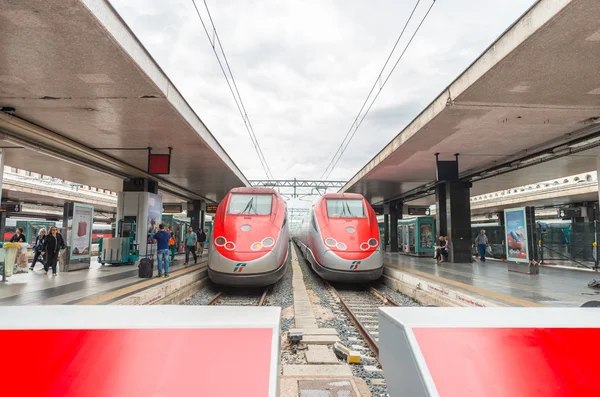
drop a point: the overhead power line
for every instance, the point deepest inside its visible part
(350, 134)
(238, 99)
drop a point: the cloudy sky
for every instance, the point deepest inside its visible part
(304, 68)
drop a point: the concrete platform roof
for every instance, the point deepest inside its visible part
(537, 85)
(80, 80)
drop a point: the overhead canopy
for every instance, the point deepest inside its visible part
(80, 80)
(538, 85)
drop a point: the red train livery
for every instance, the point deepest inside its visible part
(250, 241)
(340, 238)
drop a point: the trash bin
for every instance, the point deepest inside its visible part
(10, 256)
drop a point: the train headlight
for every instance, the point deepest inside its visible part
(331, 242)
(371, 243)
(341, 246)
(256, 246)
(220, 241)
(268, 242)
(229, 246)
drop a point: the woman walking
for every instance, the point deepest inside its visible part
(37, 248)
(52, 246)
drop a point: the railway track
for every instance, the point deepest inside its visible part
(361, 307)
(253, 298)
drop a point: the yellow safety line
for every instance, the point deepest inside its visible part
(132, 288)
(488, 293)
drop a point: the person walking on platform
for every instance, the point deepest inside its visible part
(37, 248)
(172, 244)
(201, 240)
(53, 243)
(18, 237)
(482, 243)
(162, 249)
(191, 239)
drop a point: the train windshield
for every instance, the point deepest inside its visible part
(250, 204)
(345, 209)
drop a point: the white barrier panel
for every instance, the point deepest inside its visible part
(135, 351)
(493, 352)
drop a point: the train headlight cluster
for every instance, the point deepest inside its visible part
(371, 243)
(222, 242)
(267, 242)
(333, 243)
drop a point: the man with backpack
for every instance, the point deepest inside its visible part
(162, 249)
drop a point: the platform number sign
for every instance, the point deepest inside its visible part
(239, 267)
(354, 265)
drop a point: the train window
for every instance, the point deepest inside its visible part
(345, 209)
(250, 204)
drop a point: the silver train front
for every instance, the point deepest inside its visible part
(260, 272)
(326, 263)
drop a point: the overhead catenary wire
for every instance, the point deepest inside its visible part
(345, 142)
(233, 89)
(377, 80)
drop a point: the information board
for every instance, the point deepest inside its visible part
(516, 235)
(80, 239)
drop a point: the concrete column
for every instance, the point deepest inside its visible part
(140, 185)
(395, 214)
(440, 203)
(386, 231)
(2, 214)
(196, 214)
(458, 220)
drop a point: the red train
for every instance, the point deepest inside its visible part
(250, 241)
(340, 238)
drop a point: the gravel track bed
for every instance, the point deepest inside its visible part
(333, 316)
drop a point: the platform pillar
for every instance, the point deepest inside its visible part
(440, 206)
(453, 201)
(140, 185)
(196, 212)
(458, 221)
(395, 214)
(140, 202)
(386, 231)
(2, 214)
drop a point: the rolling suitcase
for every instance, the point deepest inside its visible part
(146, 267)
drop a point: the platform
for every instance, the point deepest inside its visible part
(96, 285)
(140, 351)
(498, 352)
(490, 283)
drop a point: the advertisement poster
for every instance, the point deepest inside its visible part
(154, 213)
(81, 231)
(516, 235)
(426, 235)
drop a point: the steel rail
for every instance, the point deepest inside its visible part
(373, 345)
(215, 298)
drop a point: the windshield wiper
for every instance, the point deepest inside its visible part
(249, 206)
(349, 210)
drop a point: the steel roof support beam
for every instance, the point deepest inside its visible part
(24, 133)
